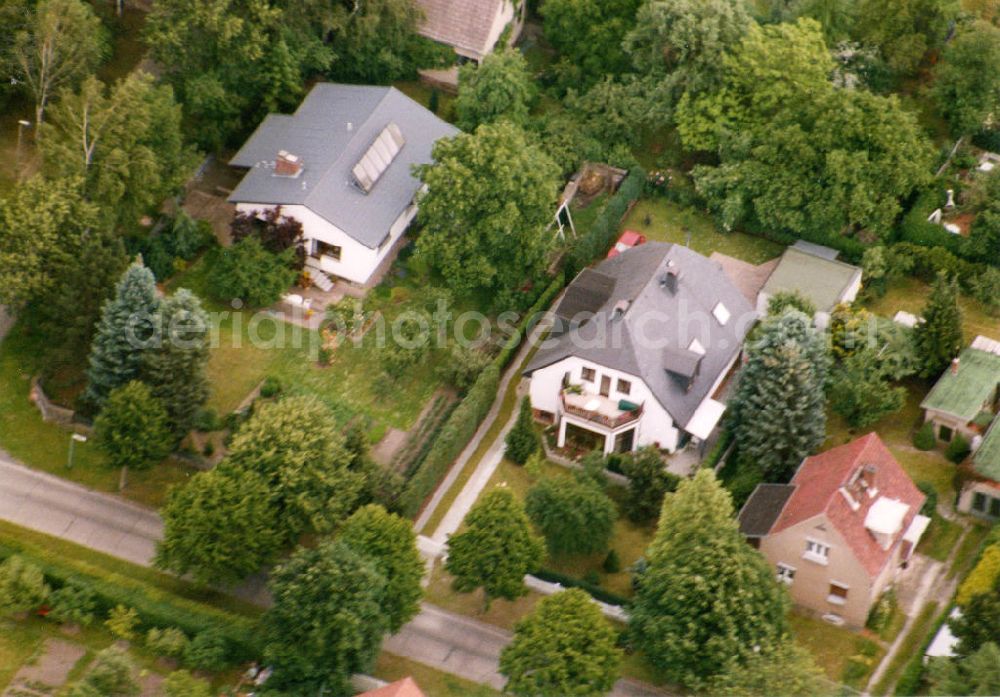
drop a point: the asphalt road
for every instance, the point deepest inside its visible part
(442, 640)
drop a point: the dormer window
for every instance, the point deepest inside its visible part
(696, 347)
(721, 314)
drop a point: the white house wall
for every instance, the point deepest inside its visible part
(357, 262)
(655, 426)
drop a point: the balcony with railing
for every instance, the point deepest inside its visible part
(607, 412)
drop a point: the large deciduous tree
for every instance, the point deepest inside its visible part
(490, 196)
(232, 60)
(175, 368)
(781, 669)
(588, 35)
(967, 80)
(61, 43)
(904, 30)
(126, 144)
(706, 598)
(498, 88)
(939, 337)
(327, 621)
(573, 513)
(127, 326)
(564, 647)
(297, 446)
(860, 390)
(778, 410)
(219, 527)
(496, 549)
(797, 153)
(388, 541)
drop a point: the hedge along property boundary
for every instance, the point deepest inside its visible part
(156, 607)
(461, 426)
(596, 241)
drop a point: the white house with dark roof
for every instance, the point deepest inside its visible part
(471, 27)
(342, 165)
(644, 341)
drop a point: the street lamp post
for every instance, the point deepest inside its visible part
(21, 125)
(75, 438)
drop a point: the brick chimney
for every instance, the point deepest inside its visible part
(287, 164)
(954, 366)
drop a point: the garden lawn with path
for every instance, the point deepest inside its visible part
(845, 656)
(669, 222)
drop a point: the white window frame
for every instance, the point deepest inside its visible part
(836, 599)
(785, 573)
(816, 551)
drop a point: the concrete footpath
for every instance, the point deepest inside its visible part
(437, 638)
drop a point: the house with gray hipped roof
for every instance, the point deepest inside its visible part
(643, 343)
(342, 165)
(471, 27)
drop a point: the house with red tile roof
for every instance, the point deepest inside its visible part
(841, 531)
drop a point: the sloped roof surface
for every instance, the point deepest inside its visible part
(821, 280)
(331, 131)
(587, 294)
(763, 508)
(749, 278)
(962, 394)
(986, 460)
(406, 687)
(819, 479)
(464, 24)
(657, 319)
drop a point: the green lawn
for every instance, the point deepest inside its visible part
(45, 446)
(910, 295)
(940, 538)
(969, 550)
(252, 346)
(433, 683)
(845, 656)
(668, 222)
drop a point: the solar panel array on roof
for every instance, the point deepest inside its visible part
(379, 156)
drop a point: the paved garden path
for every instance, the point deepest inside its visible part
(442, 640)
(49, 672)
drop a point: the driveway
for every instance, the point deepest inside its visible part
(440, 639)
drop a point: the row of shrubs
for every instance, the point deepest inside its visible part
(596, 241)
(212, 636)
(465, 419)
(596, 591)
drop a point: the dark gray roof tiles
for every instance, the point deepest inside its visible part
(658, 320)
(763, 508)
(331, 131)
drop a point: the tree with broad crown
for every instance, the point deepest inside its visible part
(297, 446)
(490, 196)
(779, 411)
(248, 271)
(779, 669)
(62, 42)
(498, 88)
(127, 326)
(861, 393)
(111, 675)
(977, 674)
(564, 647)
(496, 549)
(522, 439)
(327, 621)
(648, 482)
(22, 585)
(133, 428)
(967, 80)
(706, 598)
(573, 513)
(388, 541)
(219, 527)
(904, 30)
(125, 143)
(939, 337)
(175, 369)
(588, 35)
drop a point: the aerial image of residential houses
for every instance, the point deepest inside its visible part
(448, 348)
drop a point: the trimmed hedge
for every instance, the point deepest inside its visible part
(595, 591)
(465, 419)
(156, 607)
(595, 243)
